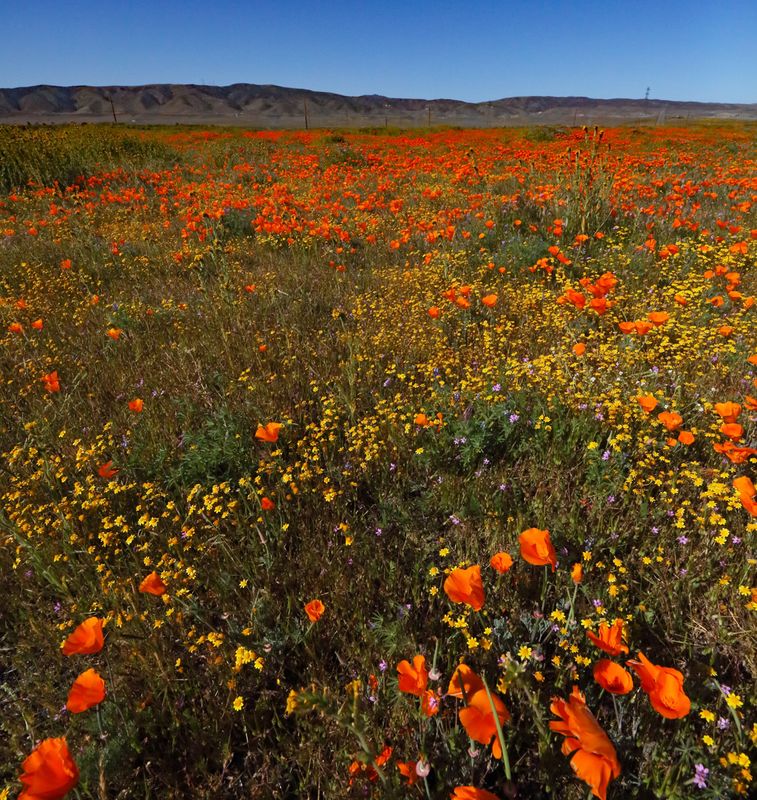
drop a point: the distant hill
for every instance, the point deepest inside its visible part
(259, 106)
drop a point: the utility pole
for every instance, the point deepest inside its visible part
(307, 121)
(646, 96)
(428, 108)
(113, 109)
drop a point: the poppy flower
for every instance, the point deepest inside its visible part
(107, 470)
(642, 327)
(52, 384)
(49, 772)
(670, 419)
(594, 758)
(664, 686)
(86, 638)
(464, 683)
(734, 453)
(413, 678)
(747, 494)
(610, 638)
(489, 300)
(267, 504)
(314, 609)
(732, 430)
(612, 677)
(433, 312)
(658, 318)
(464, 586)
(15, 327)
(88, 691)
(38, 324)
(577, 572)
(136, 405)
(430, 703)
(114, 333)
(579, 349)
(152, 584)
(686, 437)
(268, 432)
(471, 793)
(478, 719)
(407, 770)
(728, 412)
(648, 402)
(501, 562)
(422, 420)
(536, 548)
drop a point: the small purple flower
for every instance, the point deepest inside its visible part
(454, 520)
(606, 455)
(725, 689)
(514, 418)
(496, 388)
(502, 487)
(700, 776)
(682, 539)
(596, 603)
(655, 530)
(378, 531)
(723, 724)
(382, 665)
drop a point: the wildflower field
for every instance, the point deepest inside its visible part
(378, 464)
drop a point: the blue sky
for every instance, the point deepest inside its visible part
(468, 51)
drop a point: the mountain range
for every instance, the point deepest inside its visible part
(267, 106)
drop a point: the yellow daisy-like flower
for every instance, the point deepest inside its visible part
(238, 704)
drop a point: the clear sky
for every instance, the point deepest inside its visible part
(682, 50)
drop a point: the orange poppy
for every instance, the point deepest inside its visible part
(664, 686)
(686, 437)
(52, 384)
(594, 758)
(750, 402)
(501, 562)
(612, 677)
(732, 430)
(478, 719)
(643, 327)
(577, 573)
(15, 327)
(648, 402)
(489, 300)
(464, 586)
(658, 318)
(413, 678)
(609, 638)
(579, 349)
(267, 504)
(747, 494)
(137, 404)
(735, 454)
(464, 683)
(314, 609)
(725, 330)
(107, 470)
(536, 548)
(434, 312)
(38, 324)
(49, 772)
(670, 419)
(430, 703)
(86, 638)
(728, 412)
(422, 420)
(114, 333)
(407, 770)
(152, 584)
(88, 691)
(268, 432)
(472, 793)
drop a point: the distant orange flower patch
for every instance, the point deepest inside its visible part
(51, 382)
